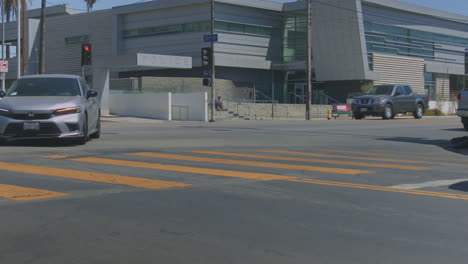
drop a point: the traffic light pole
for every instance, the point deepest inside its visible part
(3, 43)
(309, 60)
(213, 76)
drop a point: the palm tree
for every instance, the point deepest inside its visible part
(90, 4)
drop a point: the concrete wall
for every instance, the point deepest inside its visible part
(196, 105)
(157, 106)
(264, 111)
(188, 106)
(447, 107)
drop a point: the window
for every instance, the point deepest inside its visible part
(408, 90)
(201, 26)
(400, 91)
(407, 42)
(45, 87)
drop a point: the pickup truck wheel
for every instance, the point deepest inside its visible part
(418, 113)
(358, 117)
(388, 112)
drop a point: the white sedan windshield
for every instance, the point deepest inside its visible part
(45, 87)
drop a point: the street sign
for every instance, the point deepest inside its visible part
(3, 66)
(210, 38)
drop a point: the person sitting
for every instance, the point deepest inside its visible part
(219, 104)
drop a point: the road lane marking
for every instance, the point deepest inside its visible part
(360, 158)
(389, 155)
(19, 193)
(262, 177)
(413, 186)
(384, 189)
(92, 176)
(186, 169)
(362, 164)
(251, 163)
(56, 157)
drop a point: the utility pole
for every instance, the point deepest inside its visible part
(42, 39)
(3, 43)
(309, 59)
(18, 36)
(213, 76)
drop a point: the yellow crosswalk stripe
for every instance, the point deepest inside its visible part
(92, 176)
(251, 163)
(186, 169)
(338, 162)
(359, 158)
(262, 177)
(19, 193)
(56, 157)
(391, 155)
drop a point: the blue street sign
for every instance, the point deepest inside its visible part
(210, 37)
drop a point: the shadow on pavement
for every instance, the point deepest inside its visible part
(456, 145)
(454, 129)
(41, 143)
(460, 186)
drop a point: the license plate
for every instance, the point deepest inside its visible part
(31, 126)
(363, 109)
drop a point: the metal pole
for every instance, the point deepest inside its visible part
(18, 41)
(213, 76)
(309, 59)
(272, 94)
(3, 42)
(42, 39)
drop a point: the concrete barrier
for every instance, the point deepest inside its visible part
(188, 106)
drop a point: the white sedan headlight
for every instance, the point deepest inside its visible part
(67, 111)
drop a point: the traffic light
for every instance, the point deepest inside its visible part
(206, 56)
(206, 82)
(86, 54)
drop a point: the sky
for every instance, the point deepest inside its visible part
(454, 6)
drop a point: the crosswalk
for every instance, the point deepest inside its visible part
(186, 169)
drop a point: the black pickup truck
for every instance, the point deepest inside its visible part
(387, 100)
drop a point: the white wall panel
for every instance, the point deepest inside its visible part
(400, 70)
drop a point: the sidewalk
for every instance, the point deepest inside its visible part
(124, 119)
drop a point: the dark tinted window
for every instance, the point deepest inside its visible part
(45, 87)
(407, 90)
(400, 91)
(381, 89)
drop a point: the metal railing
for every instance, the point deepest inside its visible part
(329, 97)
(296, 96)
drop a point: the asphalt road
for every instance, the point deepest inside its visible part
(339, 191)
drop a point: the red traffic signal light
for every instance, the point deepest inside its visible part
(86, 54)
